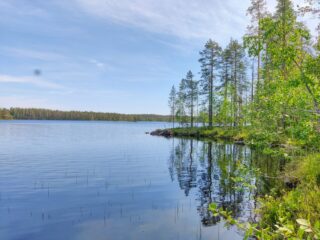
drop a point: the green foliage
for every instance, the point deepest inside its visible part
(284, 102)
(293, 215)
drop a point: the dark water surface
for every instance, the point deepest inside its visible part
(109, 180)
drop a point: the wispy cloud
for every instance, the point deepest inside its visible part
(37, 81)
(34, 54)
(22, 8)
(186, 19)
(103, 65)
(97, 63)
(182, 18)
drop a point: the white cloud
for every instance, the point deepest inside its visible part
(99, 64)
(34, 54)
(37, 81)
(183, 18)
(187, 19)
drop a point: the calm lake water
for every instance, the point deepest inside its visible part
(110, 180)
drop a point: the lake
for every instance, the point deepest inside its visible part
(110, 180)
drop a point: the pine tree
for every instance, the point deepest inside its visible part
(286, 19)
(257, 10)
(191, 94)
(181, 103)
(209, 60)
(172, 103)
(237, 61)
(284, 10)
(225, 80)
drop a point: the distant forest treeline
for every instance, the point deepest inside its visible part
(46, 114)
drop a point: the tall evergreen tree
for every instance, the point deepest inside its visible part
(257, 10)
(237, 60)
(172, 103)
(225, 80)
(209, 60)
(285, 19)
(181, 103)
(191, 95)
(284, 10)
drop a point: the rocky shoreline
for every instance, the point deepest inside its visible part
(168, 133)
(163, 133)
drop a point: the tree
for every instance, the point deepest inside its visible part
(225, 86)
(238, 80)
(209, 59)
(181, 103)
(290, 90)
(172, 103)
(191, 94)
(257, 10)
(187, 98)
(285, 21)
(284, 10)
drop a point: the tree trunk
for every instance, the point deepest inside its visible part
(210, 102)
(211, 91)
(173, 116)
(235, 91)
(252, 80)
(192, 114)
(258, 72)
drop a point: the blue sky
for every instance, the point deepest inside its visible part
(107, 55)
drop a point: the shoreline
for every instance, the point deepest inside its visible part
(239, 136)
(301, 175)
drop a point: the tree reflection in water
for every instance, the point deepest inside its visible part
(213, 170)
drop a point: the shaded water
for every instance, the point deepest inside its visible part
(109, 180)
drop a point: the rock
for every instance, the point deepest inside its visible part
(163, 133)
(291, 183)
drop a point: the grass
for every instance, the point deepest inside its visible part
(296, 213)
(226, 133)
(243, 135)
(289, 214)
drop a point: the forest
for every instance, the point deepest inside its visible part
(46, 114)
(265, 92)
